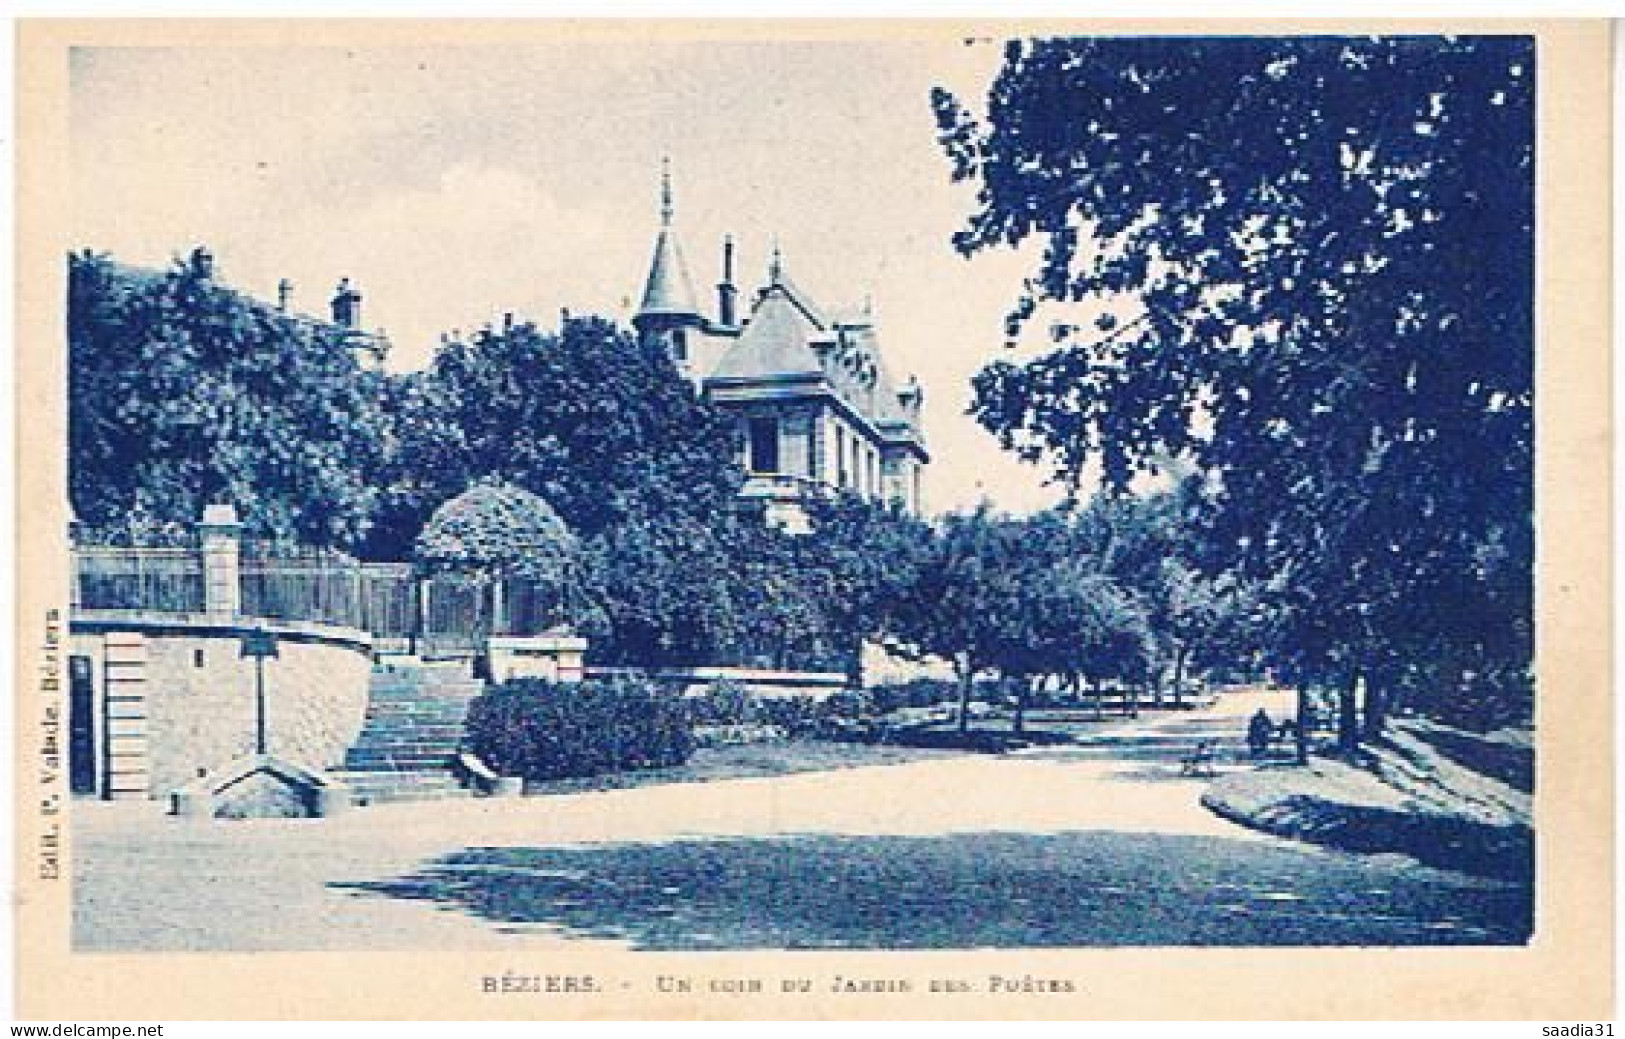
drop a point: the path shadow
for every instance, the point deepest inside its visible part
(972, 890)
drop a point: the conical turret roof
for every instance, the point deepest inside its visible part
(669, 290)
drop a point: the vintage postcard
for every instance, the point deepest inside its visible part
(813, 519)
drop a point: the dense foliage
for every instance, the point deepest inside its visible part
(498, 528)
(183, 392)
(584, 462)
(542, 730)
(595, 422)
(1305, 267)
(1072, 598)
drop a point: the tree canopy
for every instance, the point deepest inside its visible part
(1304, 265)
(183, 392)
(496, 528)
(596, 422)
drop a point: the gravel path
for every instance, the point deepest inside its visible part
(1086, 846)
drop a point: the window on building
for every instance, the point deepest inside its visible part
(764, 445)
(679, 345)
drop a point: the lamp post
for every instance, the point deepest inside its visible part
(259, 644)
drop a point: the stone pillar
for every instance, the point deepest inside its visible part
(557, 657)
(222, 583)
(420, 634)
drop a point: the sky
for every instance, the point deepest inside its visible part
(454, 184)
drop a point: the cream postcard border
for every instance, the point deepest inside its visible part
(1565, 973)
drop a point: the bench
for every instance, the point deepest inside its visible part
(1199, 761)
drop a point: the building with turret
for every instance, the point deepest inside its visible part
(816, 410)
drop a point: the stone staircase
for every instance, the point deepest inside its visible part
(414, 726)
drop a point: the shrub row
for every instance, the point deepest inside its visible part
(545, 730)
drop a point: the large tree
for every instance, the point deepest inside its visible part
(1071, 621)
(869, 557)
(666, 588)
(1308, 264)
(605, 429)
(966, 605)
(182, 392)
(596, 422)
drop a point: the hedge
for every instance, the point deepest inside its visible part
(546, 730)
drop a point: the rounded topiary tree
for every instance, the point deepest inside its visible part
(495, 532)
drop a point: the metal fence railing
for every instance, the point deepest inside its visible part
(388, 600)
(439, 614)
(159, 580)
(455, 614)
(301, 590)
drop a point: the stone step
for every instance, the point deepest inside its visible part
(414, 726)
(397, 749)
(448, 729)
(395, 760)
(416, 696)
(448, 676)
(413, 722)
(376, 734)
(417, 691)
(427, 678)
(421, 730)
(420, 703)
(384, 787)
(428, 711)
(415, 779)
(405, 779)
(364, 761)
(376, 749)
(406, 716)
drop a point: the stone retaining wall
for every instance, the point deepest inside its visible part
(175, 695)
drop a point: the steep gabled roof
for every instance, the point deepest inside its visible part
(857, 370)
(814, 312)
(775, 342)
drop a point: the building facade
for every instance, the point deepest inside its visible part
(816, 410)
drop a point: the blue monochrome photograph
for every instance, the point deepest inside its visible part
(930, 492)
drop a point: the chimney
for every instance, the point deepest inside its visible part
(727, 294)
(346, 305)
(284, 294)
(203, 263)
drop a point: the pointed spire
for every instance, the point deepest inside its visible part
(665, 191)
(669, 290)
(775, 263)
